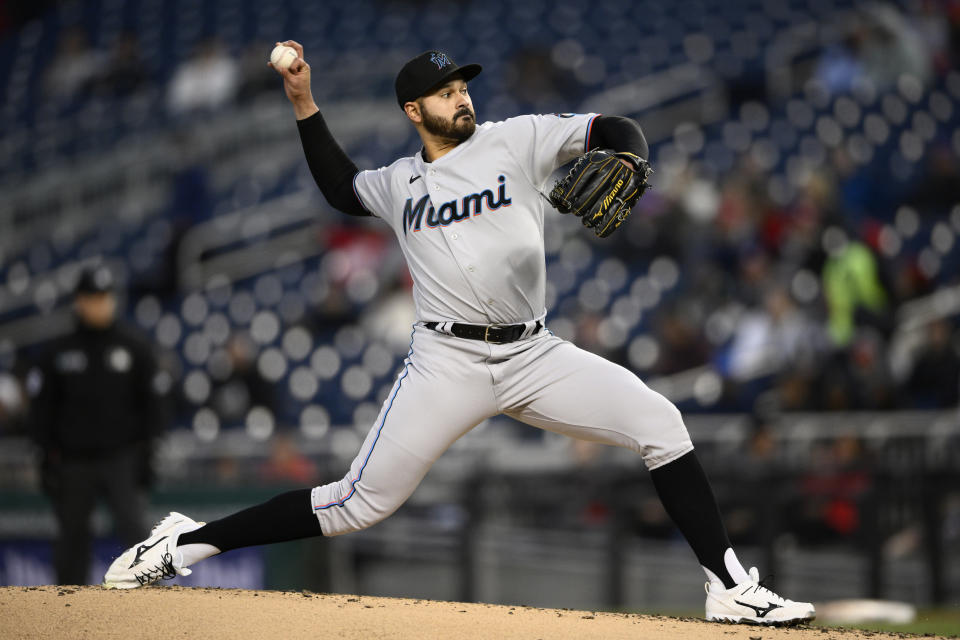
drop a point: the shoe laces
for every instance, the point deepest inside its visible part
(163, 570)
(763, 587)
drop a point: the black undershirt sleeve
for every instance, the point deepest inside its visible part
(618, 133)
(332, 169)
(288, 516)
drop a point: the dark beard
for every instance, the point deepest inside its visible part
(458, 129)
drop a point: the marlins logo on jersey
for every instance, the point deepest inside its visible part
(454, 210)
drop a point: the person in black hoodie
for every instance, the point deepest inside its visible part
(97, 406)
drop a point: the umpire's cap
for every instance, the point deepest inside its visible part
(95, 279)
(427, 70)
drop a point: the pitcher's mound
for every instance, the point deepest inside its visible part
(178, 612)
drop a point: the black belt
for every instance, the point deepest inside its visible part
(495, 333)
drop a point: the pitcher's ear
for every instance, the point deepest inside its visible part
(413, 111)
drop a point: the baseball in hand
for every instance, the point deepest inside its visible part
(283, 56)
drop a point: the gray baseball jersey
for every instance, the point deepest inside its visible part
(470, 225)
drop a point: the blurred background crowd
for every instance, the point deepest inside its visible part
(788, 230)
(797, 253)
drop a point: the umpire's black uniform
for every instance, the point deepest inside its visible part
(96, 408)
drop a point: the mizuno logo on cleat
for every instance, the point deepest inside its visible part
(761, 611)
(142, 549)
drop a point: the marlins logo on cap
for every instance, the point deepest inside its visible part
(428, 70)
(439, 59)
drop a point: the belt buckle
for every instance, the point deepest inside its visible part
(486, 333)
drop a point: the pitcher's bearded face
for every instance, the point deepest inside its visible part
(448, 112)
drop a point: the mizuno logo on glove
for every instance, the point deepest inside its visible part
(608, 200)
(602, 188)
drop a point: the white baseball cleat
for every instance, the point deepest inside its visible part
(753, 603)
(154, 559)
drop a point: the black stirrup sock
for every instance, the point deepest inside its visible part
(686, 495)
(288, 516)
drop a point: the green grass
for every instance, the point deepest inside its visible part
(941, 622)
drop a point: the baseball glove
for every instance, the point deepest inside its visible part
(601, 189)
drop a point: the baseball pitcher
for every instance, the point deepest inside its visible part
(468, 212)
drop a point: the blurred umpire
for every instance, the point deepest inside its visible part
(97, 407)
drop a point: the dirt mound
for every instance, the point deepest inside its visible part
(178, 612)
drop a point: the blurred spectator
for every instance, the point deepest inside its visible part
(15, 14)
(682, 345)
(287, 465)
(795, 389)
(256, 76)
(839, 66)
(97, 407)
(934, 381)
(74, 67)
(355, 255)
(872, 385)
(939, 188)
(801, 245)
(772, 338)
(762, 445)
(932, 24)
(13, 404)
(745, 512)
(830, 498)
(852, 287)
(894, 48)
(207, 81)
(536, 82)
(242, 387)
(125, 71)
(880, 47)
(191, 203)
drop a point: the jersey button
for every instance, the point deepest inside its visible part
(471, 268)
(436, 187)
(454, 236)
(491, 302)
